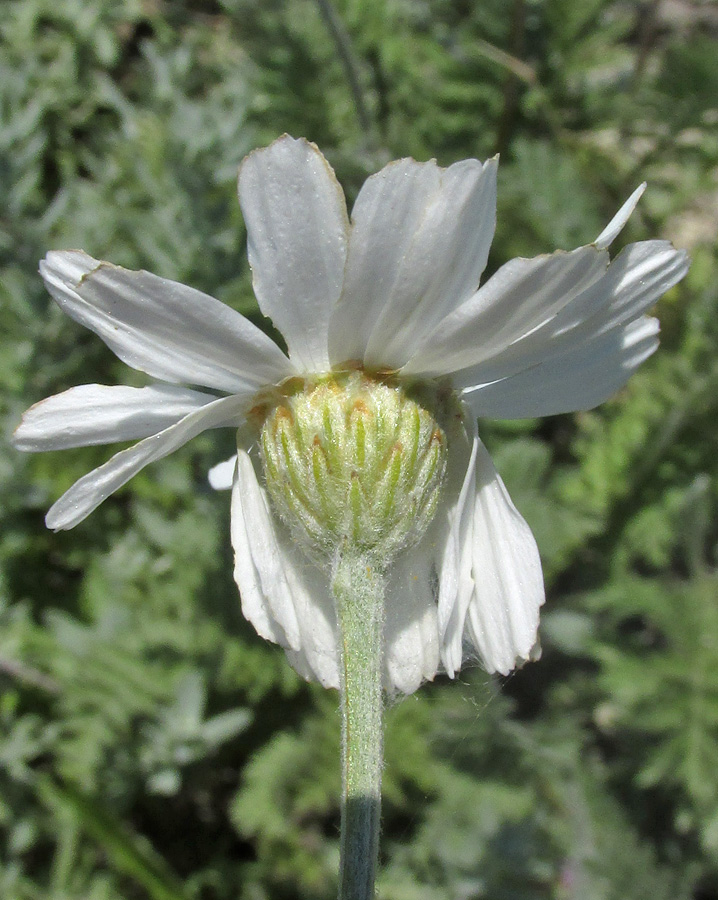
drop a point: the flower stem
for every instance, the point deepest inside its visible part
(358, 587)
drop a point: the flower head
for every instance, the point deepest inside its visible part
(355, 460)
(370, 307)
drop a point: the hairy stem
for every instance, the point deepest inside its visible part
(358, 587)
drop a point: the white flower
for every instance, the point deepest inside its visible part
(395, 288)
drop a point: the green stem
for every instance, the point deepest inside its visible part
(358, 587)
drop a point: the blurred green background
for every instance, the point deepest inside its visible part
(152, 747)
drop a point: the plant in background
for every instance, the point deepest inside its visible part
(373, 538)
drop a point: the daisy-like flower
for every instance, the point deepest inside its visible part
(374, 309)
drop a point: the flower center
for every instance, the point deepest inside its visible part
(355, 461)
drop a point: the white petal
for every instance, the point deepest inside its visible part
(250, 560)
(456, 583)
(273, 575)
(520, 297)
(254, 605)
(102, 414)
(297, 228)
(163, 328)
(284, 595)
(386, 215)
(440, 254)
(86, 494)
(278, 574)
(638, 276)
(503, 614)
(615, 226)
(411, 652)
(318, 655)
(221, 476)
(580, 378)
(635, 280)
(251, 505)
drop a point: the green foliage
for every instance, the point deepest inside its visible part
(151, 745)
(288, 807)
